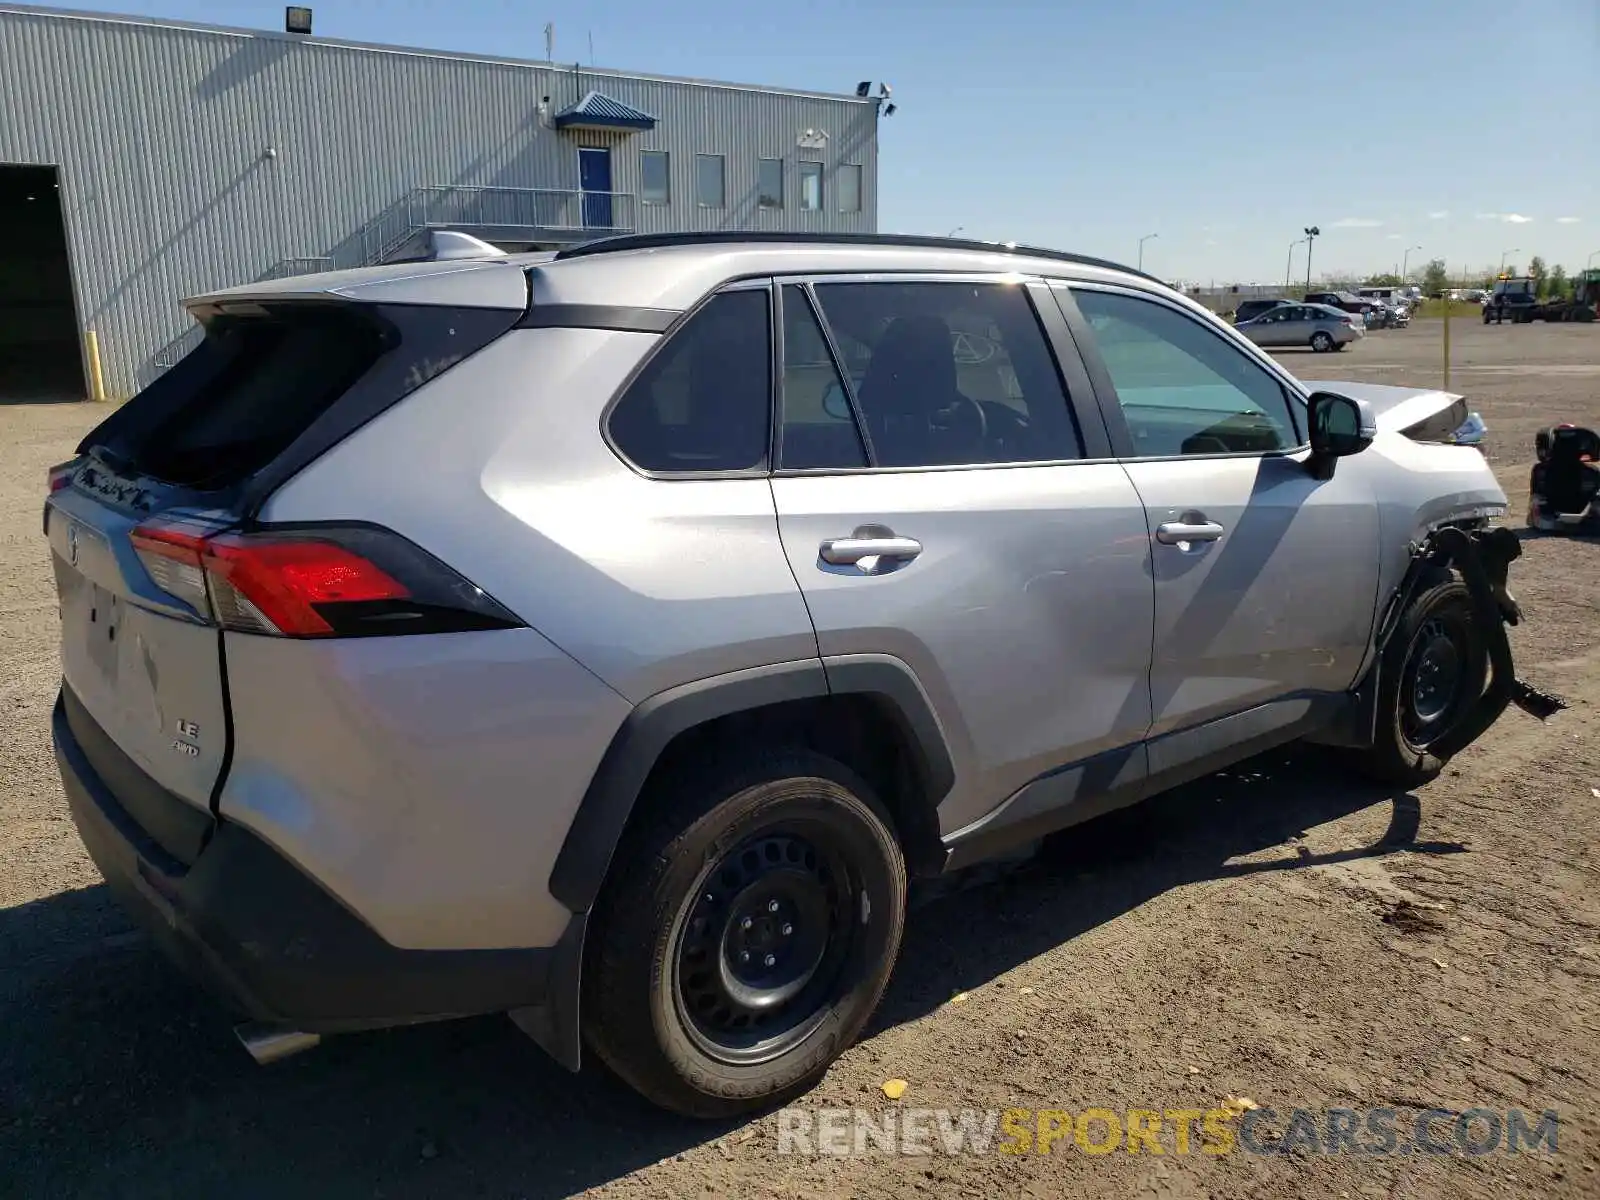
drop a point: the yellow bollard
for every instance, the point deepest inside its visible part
(1447, 303)
(97, 385)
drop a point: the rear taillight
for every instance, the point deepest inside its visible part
(314, 581)
(60, 475)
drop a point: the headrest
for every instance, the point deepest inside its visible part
(913, 368)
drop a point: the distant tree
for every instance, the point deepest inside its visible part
(1434, 279)
(1511, 270)
(1559, 284)
(1540, 273)
(1384, 280)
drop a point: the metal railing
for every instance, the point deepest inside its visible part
(505, 210)
(522, 208)
(286, 267)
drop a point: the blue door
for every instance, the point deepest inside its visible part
(594, 181)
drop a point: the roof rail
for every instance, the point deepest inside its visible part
(723, 237)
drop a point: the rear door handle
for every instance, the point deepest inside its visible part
(1175, 533)
(865, 552)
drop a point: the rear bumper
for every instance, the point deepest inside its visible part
(253, 928)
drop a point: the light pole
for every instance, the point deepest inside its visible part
(1503, 253)
(1590, 259)
(1405, 261)
(1288, 267)
(1312, 233)
(1142, 241)
(955, 231)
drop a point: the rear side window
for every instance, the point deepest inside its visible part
(949, 374)
(260, 382)
(704, 401)
(819, 429)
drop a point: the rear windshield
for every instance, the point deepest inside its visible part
(261, 379)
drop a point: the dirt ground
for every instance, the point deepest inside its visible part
(1277, 933)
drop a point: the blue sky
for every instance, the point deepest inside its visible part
(1466, 127)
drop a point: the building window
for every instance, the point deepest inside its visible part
(655, 182)
(769, 183)
(848, 181)
(709, 191)
(811, 186)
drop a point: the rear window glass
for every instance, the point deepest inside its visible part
(256, 383)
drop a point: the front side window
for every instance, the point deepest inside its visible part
(655, 177)
(1182, 389)
(948, 374)
(703, 403)
(709, 188)
(811, 186)
(849, 185)
(769, 183)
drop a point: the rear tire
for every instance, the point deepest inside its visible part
(1321, 342)
(1432, 672)
(747, 934)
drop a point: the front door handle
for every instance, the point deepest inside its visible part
(1176, 533)
(867, 552)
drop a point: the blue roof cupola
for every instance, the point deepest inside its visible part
(598, 111)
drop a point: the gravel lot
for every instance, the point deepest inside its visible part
(1277, 933)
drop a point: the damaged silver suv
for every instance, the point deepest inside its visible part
(605, 638)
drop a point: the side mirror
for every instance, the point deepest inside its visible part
(1340, 426)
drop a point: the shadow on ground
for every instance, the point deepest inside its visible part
(118, 1078)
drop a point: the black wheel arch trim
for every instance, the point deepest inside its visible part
(585, 856)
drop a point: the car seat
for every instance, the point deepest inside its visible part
(1566, 480)
(917, 414)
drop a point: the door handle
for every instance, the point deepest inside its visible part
(858, 550)
(1175, 533)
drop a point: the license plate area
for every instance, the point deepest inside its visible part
(101, 623)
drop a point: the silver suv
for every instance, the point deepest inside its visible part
(605, 638)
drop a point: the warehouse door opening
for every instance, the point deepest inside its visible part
(40, 357)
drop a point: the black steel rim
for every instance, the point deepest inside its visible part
(1433, 686)
(763, 945)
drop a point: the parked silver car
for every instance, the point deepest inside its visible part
(605, 638)
(1315, 325)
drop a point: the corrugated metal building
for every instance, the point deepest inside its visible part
(191, 157)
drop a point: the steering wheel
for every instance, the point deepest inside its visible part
(963, 419)
(1006, 428)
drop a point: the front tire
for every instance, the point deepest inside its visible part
(747, 935)
(1433, 671)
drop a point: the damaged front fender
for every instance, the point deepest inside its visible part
(1482, 557)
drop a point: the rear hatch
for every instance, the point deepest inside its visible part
(153, 537)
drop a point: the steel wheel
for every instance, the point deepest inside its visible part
(761, 948)
(1434, 684)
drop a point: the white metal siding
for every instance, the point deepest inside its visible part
(162, 131)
